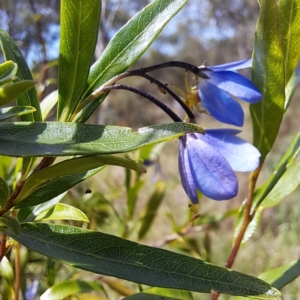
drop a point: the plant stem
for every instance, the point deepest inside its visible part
(3, 246)
(17, 270)
(158, 103)
(247, 218)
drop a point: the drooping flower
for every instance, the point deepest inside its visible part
(217, 85)
(207, 163)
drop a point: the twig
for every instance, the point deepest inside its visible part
(247, 218)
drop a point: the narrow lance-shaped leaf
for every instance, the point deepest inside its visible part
(151, 209)
(268, 75)
(289, 28)
(291, 87)
(128, 44)
(14, 111)
(78, 37)
(10, 92)
(70, 167)
(4, 191)
(162, 294)
(28, 214)
(64, 139)
(30, 98)
(48, 103)
(113, 256)
(68, 288)
(279, 277)
(8, 70)
(269, 191)
(62, 211)
(53, 188)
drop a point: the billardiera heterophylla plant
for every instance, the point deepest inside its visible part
(216, 86)
(207, 162)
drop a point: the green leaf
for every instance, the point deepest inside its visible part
(10, 92)
(283, 275)
(64, 139)
(289, 181)
(132, 196)
(55, 187)
(291, 87)
(10, 223)
(14, 111)
(4, 191)
(48, 103)
(279, 277)
(78, 37)
(69, 167)
(62, 211)
(289, 27)
(28, 214)
(110, 255)
(128, 44)
(30, 98)
(261, 193)
(151, 209)
(5, 162)
(161, 294)
(6, 270)
(8, 70)
(68, 288)
(268, 75)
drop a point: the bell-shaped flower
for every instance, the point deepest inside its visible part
(207, 163)
(217, 85)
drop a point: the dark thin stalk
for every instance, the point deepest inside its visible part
(170, 92)
(158, 103)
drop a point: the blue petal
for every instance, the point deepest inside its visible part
(219, 104)
(185, 173)
(242, 156)
(212, 174)
(237, 65)
(235, 84)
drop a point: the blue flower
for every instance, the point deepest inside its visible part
(217, 85)
(207, 163)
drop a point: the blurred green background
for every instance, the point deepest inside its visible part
(212, 31)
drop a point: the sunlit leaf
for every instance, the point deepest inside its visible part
(68, 288)
(30, 98)
(6, 270)
(289, 181)
(289, 28)
(10, 92)
(113, 256)
(8, 70)
(127, 45)
(291, 87)
(55, 187)
(62, 211)
(70, 167)
(78, 37)
(28, 214)
(48, 103)
(280, 169)
(161, 294)
(268, 75)
(14, 111)
(279, 277)
(283, 275)
(64, 139)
